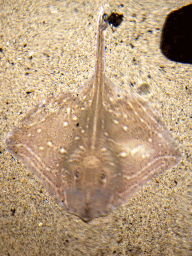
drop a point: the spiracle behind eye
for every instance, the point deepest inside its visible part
(77, 174)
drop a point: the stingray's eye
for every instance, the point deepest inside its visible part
(103, 177)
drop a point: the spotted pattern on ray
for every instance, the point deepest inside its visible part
(93, 150)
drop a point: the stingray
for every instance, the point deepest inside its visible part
(92, 150)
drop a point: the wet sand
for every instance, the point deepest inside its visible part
(48, 46)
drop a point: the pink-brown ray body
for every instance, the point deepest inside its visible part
(93, 150)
